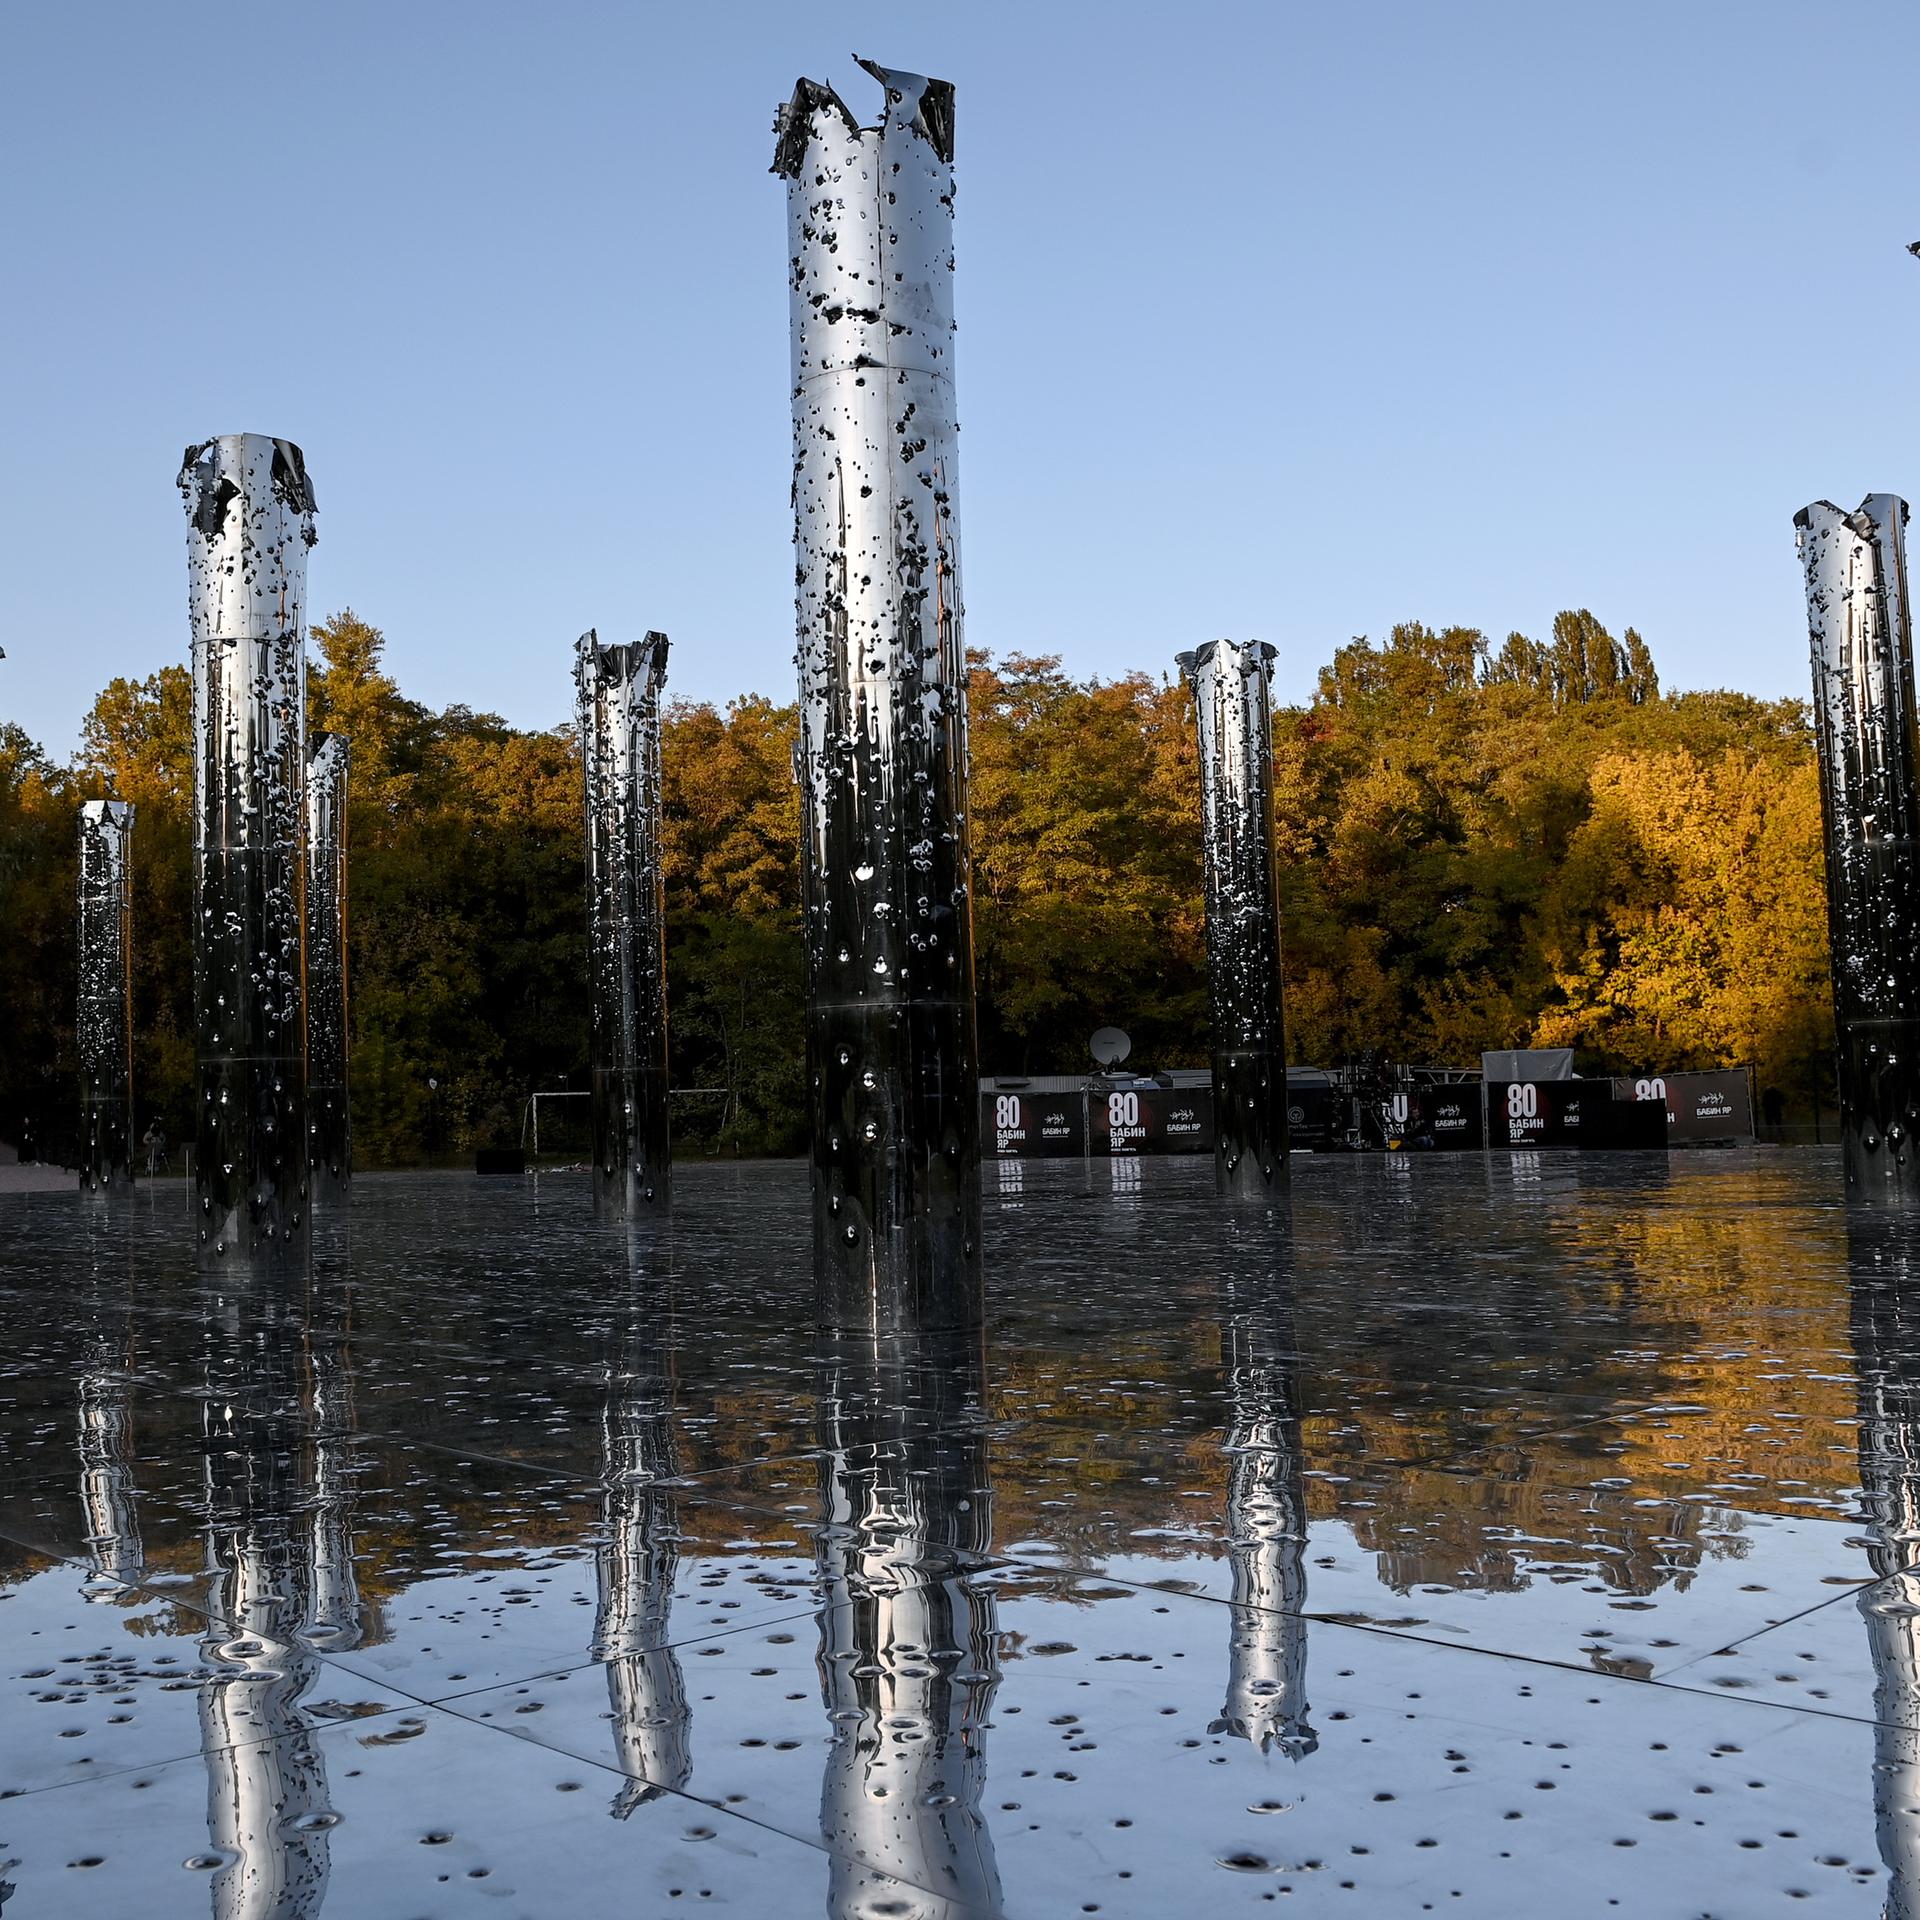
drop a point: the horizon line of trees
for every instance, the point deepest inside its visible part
(1478, 847)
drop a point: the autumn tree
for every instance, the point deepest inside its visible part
(1478, 846)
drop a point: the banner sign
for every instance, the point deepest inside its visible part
(1444, 1118)
(1314, 1111)
(1569, 1113)
(1152, 1120)
(1033, 1126)
(1127, 1121)
(1700, 1106)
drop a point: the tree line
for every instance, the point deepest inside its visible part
(1479, 846)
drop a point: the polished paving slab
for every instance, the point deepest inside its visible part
(1501, 1534)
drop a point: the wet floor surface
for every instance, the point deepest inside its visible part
(1508, 1536)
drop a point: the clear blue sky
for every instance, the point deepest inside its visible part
(1278, 320)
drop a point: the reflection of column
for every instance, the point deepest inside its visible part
(249, 525)
(333, 1620)
(1266, 1520)
(278, 1427)
(103, 1027)
(1885, 1275)
(619, 710)
(109, 1501)
(891, 1051)
(329, 1125)
(1869, 744)
(638, 1560)
(1233, 712)
(908, 1655)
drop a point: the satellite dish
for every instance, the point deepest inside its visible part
(1110, 1046)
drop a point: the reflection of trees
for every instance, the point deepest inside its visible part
(1266, 1518)
(1885, 1273)
(1590, 1312)
(908, 1660)
(278, 1440)
(638, 1557)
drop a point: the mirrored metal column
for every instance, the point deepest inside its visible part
(249, 524)
(908, 1632)
(103, 1026)
(619, 711)
(638, 1558)
(1864, 726)
(329, 1118)
(1885, 1277)
(1233, 714)
(882, 761)
(1266, 1515)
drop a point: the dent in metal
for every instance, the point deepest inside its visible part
(1233, 716)
(249, 524)
(882, 759)
(329, 1116)
(103, 1024)
(619, 714)
(1864, 725)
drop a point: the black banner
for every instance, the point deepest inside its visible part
(1033, 1126)
(1431, 1119)
(1315, 1111)
(1569, 1113)
(1130, 1120)
(1700, 1106)
(1445, 1119)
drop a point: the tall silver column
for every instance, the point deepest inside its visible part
(619, 710)
(891, 1053)
(1266, 1517)
(329, 1119)
(908, 1631)
(1233, 713)
(104, 1022)
(1864, 726)
(249, 525)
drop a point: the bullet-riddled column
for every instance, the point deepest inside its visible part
(249, 525)
(1864, 726)
(891, 1053)
(619, 689)
(329, 1122)
(104, 1023)
(1232, 710)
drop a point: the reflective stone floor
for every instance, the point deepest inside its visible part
(1512, 1537)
